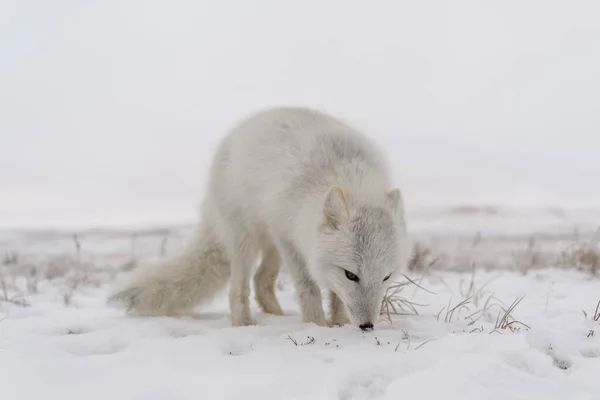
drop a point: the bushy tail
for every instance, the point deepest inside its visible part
(178, 285)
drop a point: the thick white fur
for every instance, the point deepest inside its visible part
(298, 187)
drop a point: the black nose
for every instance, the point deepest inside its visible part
(366, 327)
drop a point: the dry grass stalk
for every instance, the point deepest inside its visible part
(487, 306)
(18, 299)
(423, 344)
(584, 256)
(77, 242)
(472, 290)
(72, 287)
(32, 280)
(309, 340)
(596, 315)
(530, 258)
(472, 297)
(507, 321)
(451, 310)
(11, 257)
(394, 303)
(420, 259)
(163, 246)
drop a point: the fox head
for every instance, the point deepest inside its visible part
(361, 247)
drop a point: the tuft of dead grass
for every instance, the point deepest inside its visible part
(72, 287)
(584, 257)
(507, 321)
(476, 303)
(18, 298)
(394, 303)
(523, 253)
(596, 315)
(10, 257)
(451, 310)
(420, 259)
(528, 259)
(473, 303)
(309, 340)
(504, 319)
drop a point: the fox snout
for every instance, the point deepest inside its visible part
(364, 316)
(366, 327)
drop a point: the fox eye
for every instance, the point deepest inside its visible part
(351, 276)
(387, 277)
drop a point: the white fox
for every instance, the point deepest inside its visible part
(297, 186)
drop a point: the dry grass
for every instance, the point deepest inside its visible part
(596, 315)
(420, 259)
(11, 296)
(475, 303)
(72, 286)
(528, 259)
(514, 253)
(584, 256)
(10, 257)
(309, 340)
(451, 310)
(504, 319)
(507, 321)
(393, 303)
(67, 272)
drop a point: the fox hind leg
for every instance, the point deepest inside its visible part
(243, 250)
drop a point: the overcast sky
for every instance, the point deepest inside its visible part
(110, 110)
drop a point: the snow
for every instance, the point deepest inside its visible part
(68, 344)
(89, 351)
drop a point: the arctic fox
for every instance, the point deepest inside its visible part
(297, 187)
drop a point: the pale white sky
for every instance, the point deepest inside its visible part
(110, 110)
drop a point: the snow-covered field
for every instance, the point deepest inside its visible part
(59, 340)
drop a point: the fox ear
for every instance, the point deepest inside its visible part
(395, 202)
(335, 207)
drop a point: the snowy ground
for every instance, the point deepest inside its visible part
(58, 339)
